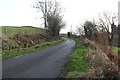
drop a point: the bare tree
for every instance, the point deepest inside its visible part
(106, 22)
(89, 28)
(80, 30)
(55, 23)
(53, 19)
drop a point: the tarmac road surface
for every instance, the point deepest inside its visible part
(45, 63)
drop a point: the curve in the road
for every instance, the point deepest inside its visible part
(45, 63)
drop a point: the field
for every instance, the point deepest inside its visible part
(11, 30)
(115, 50)
(63, 35)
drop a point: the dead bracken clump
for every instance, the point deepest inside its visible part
(22, 41)
(104, 63)
(37, 38)
(91, 73)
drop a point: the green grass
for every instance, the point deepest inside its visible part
(63, 34)
(16, 52)
(10, 30)
(115, 50)
(76, 65)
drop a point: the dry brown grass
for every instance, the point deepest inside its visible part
(22, 40)
(91, 73)
(101, 38)
(102, 60)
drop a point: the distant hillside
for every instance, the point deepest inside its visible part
(11, 30)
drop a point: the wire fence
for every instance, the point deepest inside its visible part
(21, 30)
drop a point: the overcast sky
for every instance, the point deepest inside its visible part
(21, 13)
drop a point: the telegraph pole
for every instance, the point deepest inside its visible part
(71, 29)
(45, 25)
(44, 13)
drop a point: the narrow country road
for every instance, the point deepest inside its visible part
(45, 63)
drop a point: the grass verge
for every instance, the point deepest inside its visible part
(76, 65)
(115, 50)
(17, 52)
